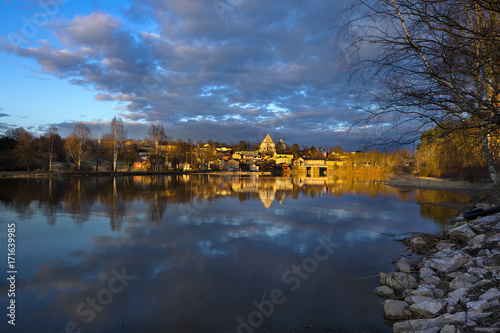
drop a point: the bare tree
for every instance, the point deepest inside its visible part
(78, 143)
(114, 140)
(157, 136)
(49, 144)
(434, 63)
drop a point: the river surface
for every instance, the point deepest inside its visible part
(205, 253)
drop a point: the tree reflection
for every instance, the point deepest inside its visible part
(80, 197)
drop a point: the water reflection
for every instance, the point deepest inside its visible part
(79, 196)
(202, 249)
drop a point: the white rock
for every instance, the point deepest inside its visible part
(448, 261)
(396, 310)
(424, 290)
(426, 272)
(479, 239)
(449, 329)
(451, 300)
(444, 246)
(427, 309)
(462, 233)
(484, 205)
(488, 219)
(463, 281)
(478, 306)
(458, 318)
(419, 325)
(432, 280)
(384, 291)
(404, 265)
(398, 281)
(497, 226)
(491, 295)
(486, 329)
(474, 315)
(418, 299)
(494, 238)
(418, 241)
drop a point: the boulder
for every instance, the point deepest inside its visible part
(458, 318)
(462, 233)
(478, 306)
(396, 310)
(419, 325)
(448, 261)
(427, 309)
(384, 292)
(449, 329)
(426, 272)
(444, 246)
(483, 205)
(494, 238)
(398, 281)
(426, 290)
(463, 281)
(418, 241)
(459, 293)
(491, 219)
(418, 299)
(474, 315)
(486, 329)
(432, 280)
(404, 265)
(479, 239)
(490, 295)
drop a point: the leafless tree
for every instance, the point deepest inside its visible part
(48, 144)
(157, 135)
(426, 62)
(115, 139)
(78, 143)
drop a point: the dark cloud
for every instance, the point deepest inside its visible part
(261, 67)
(3, 114)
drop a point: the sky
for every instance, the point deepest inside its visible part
(225, 70)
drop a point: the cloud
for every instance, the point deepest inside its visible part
(267, 66)
(3, 114)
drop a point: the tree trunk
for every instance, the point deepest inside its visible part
(491, 163)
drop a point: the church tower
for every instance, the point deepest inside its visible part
(267, 146)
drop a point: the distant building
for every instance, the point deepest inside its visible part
(283, 158)
(267, 146)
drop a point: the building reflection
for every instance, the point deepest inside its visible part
(80, 197)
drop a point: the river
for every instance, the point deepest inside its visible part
(206, 253)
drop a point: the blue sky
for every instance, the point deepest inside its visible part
(225, 70)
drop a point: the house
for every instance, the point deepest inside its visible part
(267, 146)
(230, 165)
(283, 158)
(244, 154)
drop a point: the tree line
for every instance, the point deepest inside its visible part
(22, 150)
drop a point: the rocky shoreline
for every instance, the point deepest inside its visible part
(454, 285)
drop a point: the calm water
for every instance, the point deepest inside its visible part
(205, 253)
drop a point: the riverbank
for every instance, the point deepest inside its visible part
(453, 283)
(428, 183)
